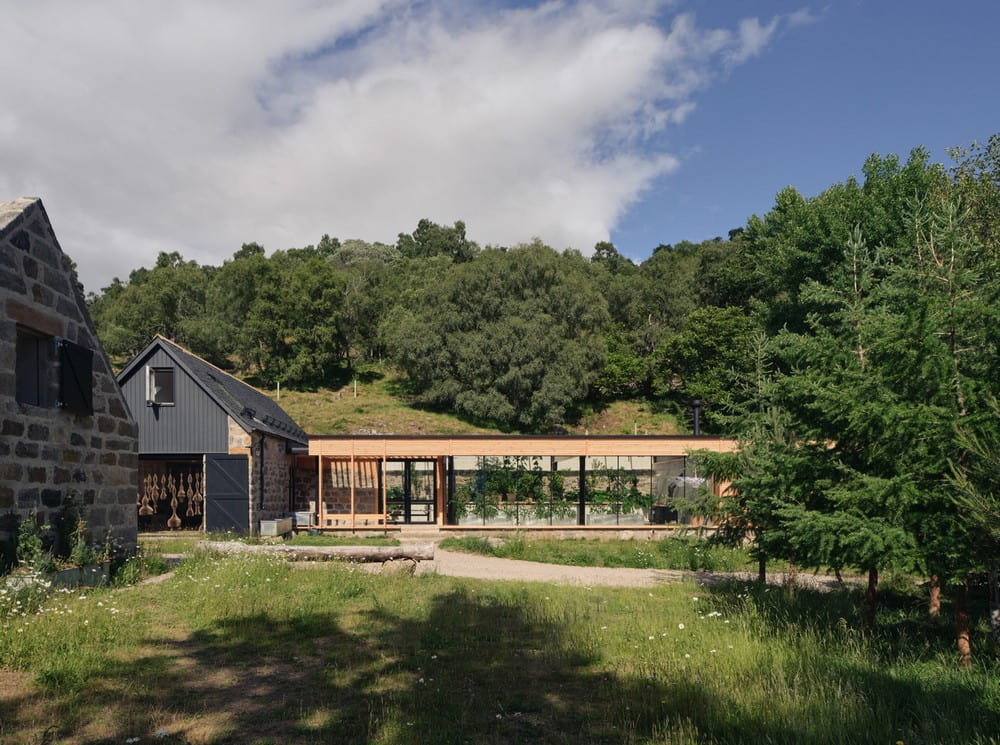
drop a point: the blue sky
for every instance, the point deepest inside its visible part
(197, 125)
(863, 77)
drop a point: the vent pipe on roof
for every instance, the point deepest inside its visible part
(696, 409)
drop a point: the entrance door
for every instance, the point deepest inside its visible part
(227, 494)
(411, 491)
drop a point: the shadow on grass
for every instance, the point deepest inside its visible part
(475, 668)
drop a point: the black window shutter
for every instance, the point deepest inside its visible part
(76, 374)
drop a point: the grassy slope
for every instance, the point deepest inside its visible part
(379, 408)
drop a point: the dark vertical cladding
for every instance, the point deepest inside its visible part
(193, 423)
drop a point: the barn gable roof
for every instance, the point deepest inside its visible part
(250, 408)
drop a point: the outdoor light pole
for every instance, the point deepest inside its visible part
(696, 409)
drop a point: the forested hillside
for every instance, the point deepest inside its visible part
(524, 338)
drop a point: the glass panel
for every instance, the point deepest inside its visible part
(545, 490)
(410, 491)
(161, 385)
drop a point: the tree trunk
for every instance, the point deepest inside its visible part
(871, 598)
(962, 624)
(790, 586)
(762, 569)
(934, 598)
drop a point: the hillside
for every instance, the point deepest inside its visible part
(377, 406)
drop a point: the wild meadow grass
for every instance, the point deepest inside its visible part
(678, 552)
(249, 649)
(180, 543)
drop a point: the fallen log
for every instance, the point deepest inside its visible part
(415, 552)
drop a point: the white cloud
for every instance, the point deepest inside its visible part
(195, 126)
(753, 37)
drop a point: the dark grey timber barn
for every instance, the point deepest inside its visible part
(214, 453)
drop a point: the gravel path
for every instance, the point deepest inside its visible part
(476, 566)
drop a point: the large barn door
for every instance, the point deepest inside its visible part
(227, 494)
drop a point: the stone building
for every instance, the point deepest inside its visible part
(214, 453)
(65, 431)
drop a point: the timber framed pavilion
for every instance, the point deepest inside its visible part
(382, 482)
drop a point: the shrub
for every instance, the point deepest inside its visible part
(30, 549)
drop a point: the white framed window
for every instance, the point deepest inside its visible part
(160, 386)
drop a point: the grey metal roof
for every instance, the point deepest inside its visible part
(245, 404)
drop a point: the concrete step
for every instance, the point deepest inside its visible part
(419, 533)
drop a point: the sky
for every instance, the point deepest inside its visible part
(198, 125)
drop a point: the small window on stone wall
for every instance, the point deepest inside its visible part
(34, 365)
(160, 386)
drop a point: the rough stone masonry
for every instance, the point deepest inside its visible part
(65, 431)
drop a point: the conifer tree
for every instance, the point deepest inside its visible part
(764, 473)
(854, 424)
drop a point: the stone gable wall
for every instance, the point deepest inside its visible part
(238, 438)
(48, 454)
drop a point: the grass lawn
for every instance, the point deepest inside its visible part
(677, 552)
(254, 650)
(179, 543)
